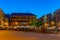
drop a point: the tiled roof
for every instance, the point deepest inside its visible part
(23, 14)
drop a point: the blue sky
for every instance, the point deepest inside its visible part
(38, 7)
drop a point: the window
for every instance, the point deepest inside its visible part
(17, 17)
(24, 17)
(21, 17)
(59, 11)
(28, 17)
(23, 23)
(32, 17)
(12, 17)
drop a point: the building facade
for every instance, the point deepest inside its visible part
(52, 19)
(42, 20)
(3, 20)
(16, 19)
(57, 18)
(22, 19)
(25, 19)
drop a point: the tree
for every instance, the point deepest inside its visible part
(33, 23)
(38, 24)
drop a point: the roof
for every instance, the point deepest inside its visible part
(23, 14)
(8, 16)
(58, 10)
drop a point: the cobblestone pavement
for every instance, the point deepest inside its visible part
(18, 35)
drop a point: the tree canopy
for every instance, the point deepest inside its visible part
(36, 24)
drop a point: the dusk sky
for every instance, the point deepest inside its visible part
(38, 7)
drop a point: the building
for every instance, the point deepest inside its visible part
(47, 20)
(57, 18)
(42, 20)
(16, 19)
(22, 19)
(8, 16)
(50, 20)
(25, 19)
(3, 20)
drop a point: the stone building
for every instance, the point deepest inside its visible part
(47, 20)
(57, 18)
(50, 20)
(3, 20)
(22, 19)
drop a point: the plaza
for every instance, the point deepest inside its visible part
(18, 35)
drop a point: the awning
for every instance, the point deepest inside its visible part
(51, 28)
(59, 28)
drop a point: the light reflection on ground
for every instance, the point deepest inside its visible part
(17, 35)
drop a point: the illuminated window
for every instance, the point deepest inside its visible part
(23, 23)
(15, 22)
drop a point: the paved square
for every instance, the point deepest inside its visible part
(18, 35)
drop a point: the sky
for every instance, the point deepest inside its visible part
(37, 7)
